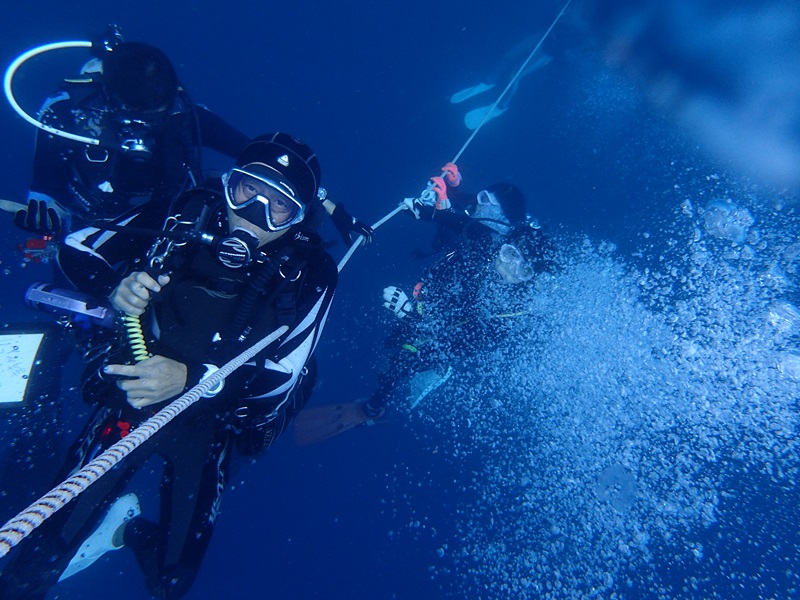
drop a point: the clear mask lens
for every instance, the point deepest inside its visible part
(514, 267)
(280, 208)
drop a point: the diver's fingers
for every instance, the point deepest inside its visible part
(133, 293)
(142, 284)
(123, 370)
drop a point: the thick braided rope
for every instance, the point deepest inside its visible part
(18, 528)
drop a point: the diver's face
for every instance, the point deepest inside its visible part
(262, 206)
(253, 218)
(280, 208)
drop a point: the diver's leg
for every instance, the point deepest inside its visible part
(36, 564)
(402, 366)
(170, 552)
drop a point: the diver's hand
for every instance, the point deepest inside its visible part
(397, 301)
(38, 218)
(133, 293)
(362, 229)
(440, 189)
(451, 174)
(346, 224)
(153, 380)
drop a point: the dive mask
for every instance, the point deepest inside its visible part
(488, 198)
(264, 198)
(512, 266)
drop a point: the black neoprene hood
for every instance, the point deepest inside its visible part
(140, 77)
(290, 157)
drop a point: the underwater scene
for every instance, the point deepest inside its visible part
(598, 400)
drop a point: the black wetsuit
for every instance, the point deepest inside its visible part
(293, 287)
(101, 182)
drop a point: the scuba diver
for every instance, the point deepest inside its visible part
(149, 133)
(486, 239)
(232, 264)
(498, 79)
(490, 251)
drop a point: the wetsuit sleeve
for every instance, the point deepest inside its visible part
(459, 199)
(218, 135)
(454, 222)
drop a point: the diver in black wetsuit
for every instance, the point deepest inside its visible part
(484, 237)
(209, 303)
(150, 137)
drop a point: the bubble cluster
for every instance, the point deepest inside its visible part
(634, 408)
(727, 221)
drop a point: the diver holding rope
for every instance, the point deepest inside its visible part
(482, 240)
(250, 266)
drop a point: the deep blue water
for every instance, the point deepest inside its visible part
(368, 513)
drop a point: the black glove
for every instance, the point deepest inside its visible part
(38, 218)
(347, 225)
